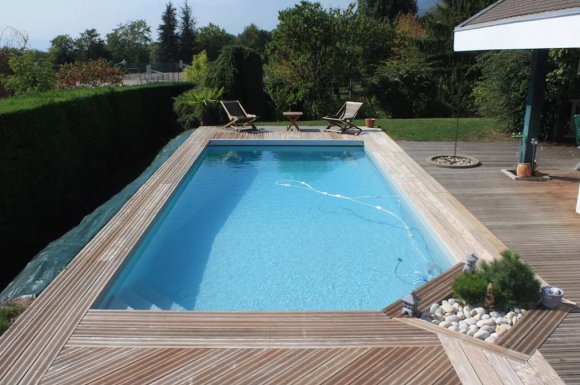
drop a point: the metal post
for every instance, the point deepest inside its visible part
(534, 102)
(534, 142)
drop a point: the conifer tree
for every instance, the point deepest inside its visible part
(187, 35)
(168, 39)
(454, 72)
(386, 9)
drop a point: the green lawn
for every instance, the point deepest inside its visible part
(427, 129)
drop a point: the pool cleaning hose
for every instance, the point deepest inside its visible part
(431, 269)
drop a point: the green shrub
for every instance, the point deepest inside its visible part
(514, 282)
(470, 287)
(8, 314)
(94, 73)
(199, 106)
(238, 70)
(29, 75)
(61, 158)
(197, 71)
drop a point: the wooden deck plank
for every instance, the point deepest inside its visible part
(562, 349)
(409, 368)
(480, 364)
(544, 370)
(435, 371)
(460, 362)
(193, 329)
(191, 372)
(435, 290)
(504, 369)
(385, 366)
(349, 373)
(533, 329)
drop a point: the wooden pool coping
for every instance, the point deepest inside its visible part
(48, 342)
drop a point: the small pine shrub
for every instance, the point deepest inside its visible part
(514, 282)
(470, 287)
(8, 314)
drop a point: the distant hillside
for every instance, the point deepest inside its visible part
(425, 5)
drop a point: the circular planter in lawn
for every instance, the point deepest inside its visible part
(453, 161)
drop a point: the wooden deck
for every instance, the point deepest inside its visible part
(536, 219)
(433, 291)
(60, 340)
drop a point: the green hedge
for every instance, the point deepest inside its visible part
(63, 154)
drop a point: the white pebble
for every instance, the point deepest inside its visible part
(472, 330)
(481, 334)
(445, 324)
(490, 339)
(447, 308)
(433, 308)
(480, 310)
(494, 314)
(501, 321)
(501, 329)
(451, 301)
(453, 328)
(452, 318)
(471, 321)
(486, 322)
(466, 312)
(485, 316)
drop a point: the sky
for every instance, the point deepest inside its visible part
(42, 20)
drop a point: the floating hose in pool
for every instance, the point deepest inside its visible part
(421, 278)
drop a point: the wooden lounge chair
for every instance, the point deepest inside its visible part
(239, 119)
(344, 116)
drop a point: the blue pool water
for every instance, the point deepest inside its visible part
(279, 228)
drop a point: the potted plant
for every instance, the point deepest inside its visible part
(524, 169)
(370, 122)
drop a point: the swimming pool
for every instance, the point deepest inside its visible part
(279, 228)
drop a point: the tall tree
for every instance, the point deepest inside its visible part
(403, 84)
(303, 58)
(62, 49)
(453, 72)
(130, 42)
(386, 9)
(239, 71)
(212, 39)
(187, 34)
(90, 46)
(168, 39)
(255, 38)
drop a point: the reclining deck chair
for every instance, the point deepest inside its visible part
(239, 119)
(344, 117)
